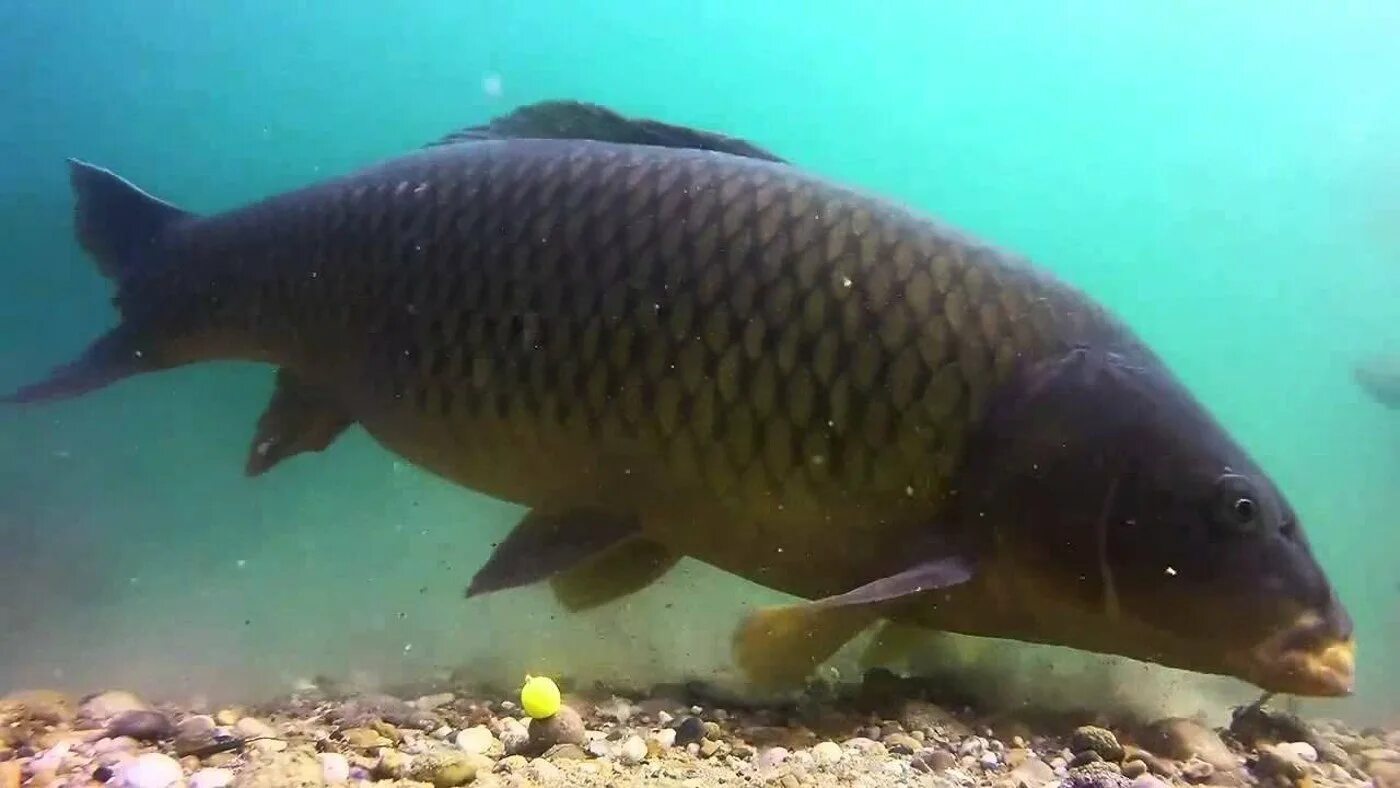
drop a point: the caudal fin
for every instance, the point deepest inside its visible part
(120, 227)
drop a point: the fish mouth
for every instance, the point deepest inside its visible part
(1314, 658)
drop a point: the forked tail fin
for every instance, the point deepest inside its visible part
(119, 226)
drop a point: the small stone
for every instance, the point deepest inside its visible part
(1385, 773)
(665, 738)
(363, 738)
(1032, 773)
(1134, 769)
(689, 730)
(141, 725)
(563, 727)
(1095, 739)
(1197, 770)
(478, 740)
(335, 768)
(1085, 758)
(708, 748)
(989, 761)
(9, 774)
(512, 763)
(1182, 739)
(902, 743)
(444, 769)
(211, 778)
(1148, 781)
(918, 715)
(102, 707)
(545, 773)
(1280, 761)
(227, 716)
(513, 734)
(633, 751)
(430, 702)
(771, 757)
(827, 752)
(865, 746)
(1303, 750)
(1099, 774)
(152, 770)
(933, 759)
(566, 752)
(46, 706)
(617, 709)
(712, 730)
(972, 747)
(261, 735)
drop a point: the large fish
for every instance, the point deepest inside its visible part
(1379, 376)
(667, 342)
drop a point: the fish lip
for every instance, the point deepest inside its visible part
(1324, 669)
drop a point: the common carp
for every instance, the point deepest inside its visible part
(668, 342)
(1379, 376)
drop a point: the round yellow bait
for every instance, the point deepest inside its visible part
(539, 697)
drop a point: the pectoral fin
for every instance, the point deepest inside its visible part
(622, 569)
(780, 646)
(300, 418)
(545, 543)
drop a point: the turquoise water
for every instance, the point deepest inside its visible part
(1227, 177)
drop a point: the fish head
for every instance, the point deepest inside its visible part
(1145, 530)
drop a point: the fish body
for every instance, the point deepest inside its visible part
(666, 343)
(1380, 377)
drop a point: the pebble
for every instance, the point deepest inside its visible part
(989, 761)
(563, 727)
(40, 705)
(1197, 770)
(1099, 740)
(478, 740)
(865, 746)
(1181, 738)
(363, 738)
(1032, 773)
(335, 768)
(933, 759)
(513, 734)
(1149, 781)
(152, 770)
(430, 702)
(827, 752)
(1303, 750)
(9, 774)
(141, 725)
(105, 705)
(689, 730)
(263, 736)
(902, 743)
(924, 716)
(972, 747)
(708, 748)
(1385, 773)
(771, 757)
(665, 738)
(1134, 769)
(633, 751)
(443, 769)
(211, 778)
(1280, 760)
(227, 716)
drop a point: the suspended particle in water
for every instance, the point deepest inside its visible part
(491, 85)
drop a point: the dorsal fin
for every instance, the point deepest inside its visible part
(576, 120)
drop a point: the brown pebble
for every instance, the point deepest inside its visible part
(902, 743)
(363, 738)
(9, 774)
(712, 730)
(146, 726)
(708, 747)
(1134, 768)
(933, 759)
(563, 727)
(1090, 738)
(1197, 771)
(565, 752)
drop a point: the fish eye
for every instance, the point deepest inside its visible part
(1236, 503)
(1244, 509)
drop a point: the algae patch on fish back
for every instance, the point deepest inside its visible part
(668, 342)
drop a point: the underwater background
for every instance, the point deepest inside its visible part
(1225, 176)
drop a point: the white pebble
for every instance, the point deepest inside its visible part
(827, 752)
(990, 760)
(665, 738)
(633, 751)
(664, 718)
(771, 757)
(211, 778)
(152, 770)
(476, 740)
(52, 758)
(335, 768)
(1303, 750)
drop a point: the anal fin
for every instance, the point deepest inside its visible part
(780, 646)
(299, 418)
(549, 542)
(622, 569)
